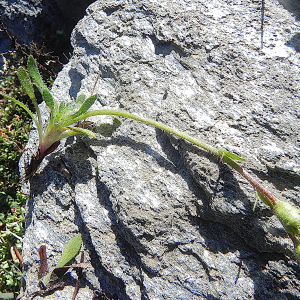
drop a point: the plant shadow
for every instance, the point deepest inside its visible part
(218, 236)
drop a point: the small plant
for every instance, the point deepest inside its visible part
(50, 281)
(64, 115)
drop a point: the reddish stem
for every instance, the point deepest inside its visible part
(268, 198)
(36, 160)
(19, 256)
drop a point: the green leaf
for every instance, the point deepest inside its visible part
(28, 87)
(84, 131)
(85, 106)
(62, 106)
(223, 152)
(26, 83)
(70, 251)
(48, 98)
(297, 249)
(70, 106)
(65, 109)
(257, 197)
(289, 217)
(80, 99)
(35, 74)
(263, 197)
(76, 131)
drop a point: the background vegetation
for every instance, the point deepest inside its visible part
(15, 125)
(14, 128)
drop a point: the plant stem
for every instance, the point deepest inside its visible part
(159, 125)
(266, 196)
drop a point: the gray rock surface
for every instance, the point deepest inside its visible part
(161, 219)
(20, 17)
(42, 22)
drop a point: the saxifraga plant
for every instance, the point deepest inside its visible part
(64, 115)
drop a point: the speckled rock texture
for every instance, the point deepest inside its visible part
(160, 218)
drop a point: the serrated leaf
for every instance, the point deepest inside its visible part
(35, 74)
(70, 251)
(26, 83)
(85, 106)
(230, 155)
(48, 98)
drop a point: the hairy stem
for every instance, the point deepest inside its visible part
(267, 196)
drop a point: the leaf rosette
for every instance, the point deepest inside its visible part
(62, 115)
